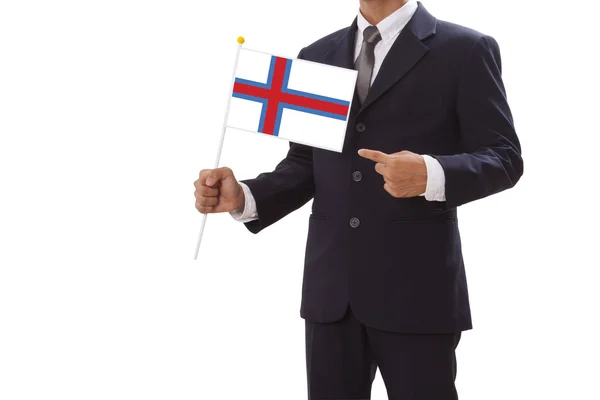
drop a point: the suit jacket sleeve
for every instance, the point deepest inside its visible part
(283, 190)
(491, 153)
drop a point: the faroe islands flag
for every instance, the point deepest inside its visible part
(297, 100)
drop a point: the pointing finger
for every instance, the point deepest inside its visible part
(373, 155)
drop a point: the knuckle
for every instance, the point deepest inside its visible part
(227, 172)
(203, 209)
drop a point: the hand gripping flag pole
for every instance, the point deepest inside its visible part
(240, 41)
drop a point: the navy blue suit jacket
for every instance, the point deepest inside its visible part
(399, 266)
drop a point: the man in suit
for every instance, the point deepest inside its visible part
(429, 130)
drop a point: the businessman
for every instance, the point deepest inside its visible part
(429, 130)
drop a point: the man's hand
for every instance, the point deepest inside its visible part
(217, 191)
(404, 173)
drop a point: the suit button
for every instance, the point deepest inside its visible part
(354, 222)
(360, 127)
(357, 176)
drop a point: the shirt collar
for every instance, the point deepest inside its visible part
(390, 26)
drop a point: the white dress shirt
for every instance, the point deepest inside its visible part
(389, 28)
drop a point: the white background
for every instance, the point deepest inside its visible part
(109, 109)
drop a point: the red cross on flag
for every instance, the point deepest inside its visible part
(301, 101)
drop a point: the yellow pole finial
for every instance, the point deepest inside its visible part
(241, 40)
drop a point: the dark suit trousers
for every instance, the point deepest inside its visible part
(343, 356)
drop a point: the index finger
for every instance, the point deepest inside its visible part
(373, 155)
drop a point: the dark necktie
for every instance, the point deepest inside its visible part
(365, 61)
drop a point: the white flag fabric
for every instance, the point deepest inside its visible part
(297, 100)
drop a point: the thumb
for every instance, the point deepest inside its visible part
(216, 175)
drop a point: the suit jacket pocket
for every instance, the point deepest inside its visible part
(441, 217)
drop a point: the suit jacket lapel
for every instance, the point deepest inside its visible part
(405, 53)
(342, 53)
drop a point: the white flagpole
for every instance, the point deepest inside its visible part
(240, 41)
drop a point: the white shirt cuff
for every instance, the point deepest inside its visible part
(249, 212)
(436, 180)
